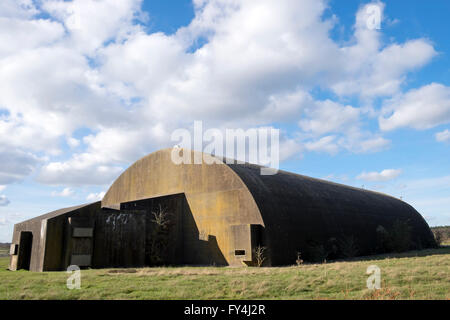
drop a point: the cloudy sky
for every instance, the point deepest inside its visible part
(89, 86)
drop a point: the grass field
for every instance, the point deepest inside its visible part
(4, 250)
(412, 275)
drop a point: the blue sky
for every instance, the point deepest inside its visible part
(89, 88)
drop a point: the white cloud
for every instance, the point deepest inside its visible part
(443, 136)
(289, 148)
(42, 109)
(368, 69)
(382, 73)
(82, 169)
(374, 144)
(353, 141)
(66, 192)
(328, 116)
(340, 127)
(72, 142)
(92, 67)
(92, 23)
(27, 35)
(95, 196)
(16, 165)
(2, 188)
(325, 144)
(17, 8)
(4, 201)
(421, 108)
(285, 106)
(385, 175)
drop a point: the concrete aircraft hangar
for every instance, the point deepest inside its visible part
(219, 214)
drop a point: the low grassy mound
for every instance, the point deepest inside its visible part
(411, 275)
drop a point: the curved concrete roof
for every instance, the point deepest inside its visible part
(295, 210)
(216, 195)
(292, 204)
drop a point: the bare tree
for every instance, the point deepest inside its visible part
(161, 217)
(299, 260)
(260, 255)
(160, 235)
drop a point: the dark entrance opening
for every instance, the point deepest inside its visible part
(25, 245)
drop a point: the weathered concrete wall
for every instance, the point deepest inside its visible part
(216, 196)
(51, 232)
(185, 245)
(119, 239)
(173, 206)
(61, 243)
(37, 248)
(300, 212)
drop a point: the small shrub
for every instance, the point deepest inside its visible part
(299, 260)
(260, 255)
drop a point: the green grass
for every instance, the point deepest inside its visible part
(412, 275)
(4, 252)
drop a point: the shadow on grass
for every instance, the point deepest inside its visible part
(443, 250)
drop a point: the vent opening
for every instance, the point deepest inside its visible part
(239, 252)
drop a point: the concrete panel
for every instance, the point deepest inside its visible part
(13, 249)
(83, 232)
(60, 244)
(49, 244)
(119, 239)
(241, 242)
(33, 226)
(13, 263)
